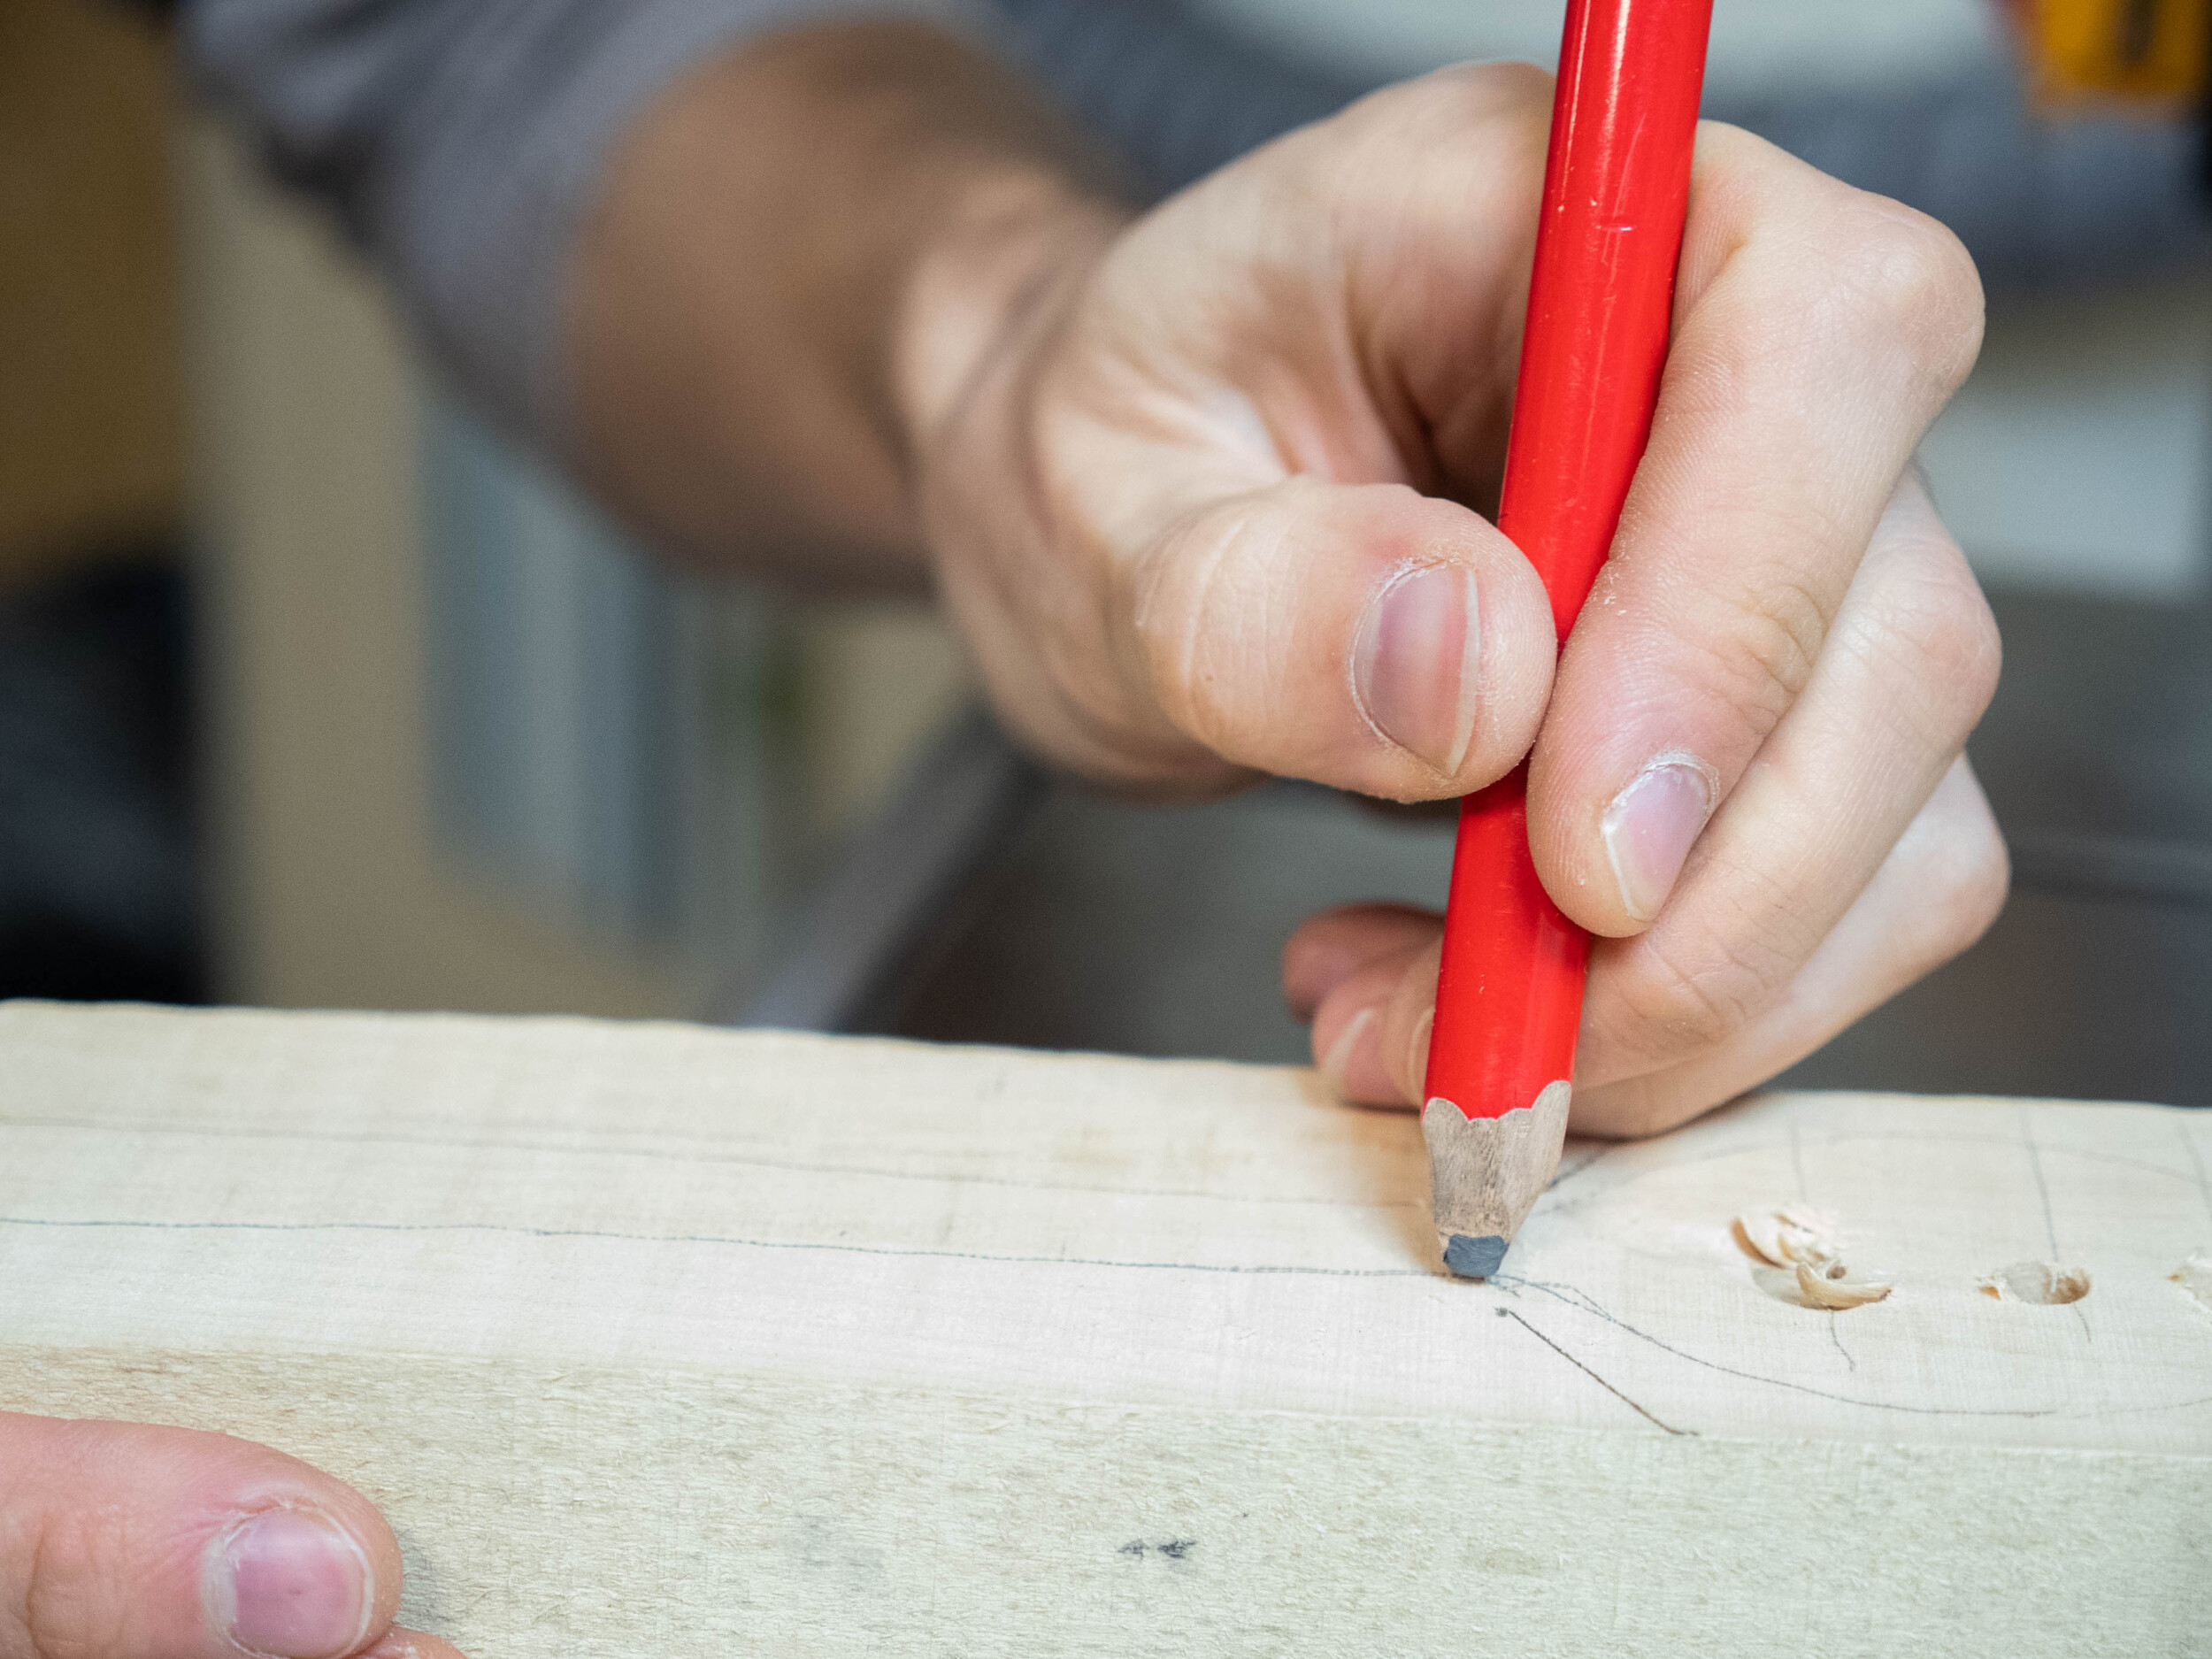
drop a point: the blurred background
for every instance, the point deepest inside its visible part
(315, 692)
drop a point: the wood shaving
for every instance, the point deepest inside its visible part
(1797, 1256)
(1835, 1287)
(1787, 1235)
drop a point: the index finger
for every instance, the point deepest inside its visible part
(1818, 331)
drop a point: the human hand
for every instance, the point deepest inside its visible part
(123, 1541)
(1203, 497)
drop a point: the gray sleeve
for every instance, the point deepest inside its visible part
(2037, 201)
(460, 141)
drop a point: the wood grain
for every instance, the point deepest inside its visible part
(657, 1339)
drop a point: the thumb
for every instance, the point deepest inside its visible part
(123, 1541)
(1361, 635)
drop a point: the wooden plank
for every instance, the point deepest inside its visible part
(654, 1339)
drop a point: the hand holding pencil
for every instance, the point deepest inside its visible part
(1749, 784)
(1509, 990)
(1204, 491)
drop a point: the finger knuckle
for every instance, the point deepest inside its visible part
(1974, 880)
(1201, 626)
(1679, 1001)
(1967, 651)
(1918, 281)
(1930, 624)
(1515, 86)
(1985, 885)
(1780, 637)
(1761, 655)
(1077, 669)
(1460, 92)
(1952, 635)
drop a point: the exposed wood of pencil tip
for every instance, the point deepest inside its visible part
(1487, 1173)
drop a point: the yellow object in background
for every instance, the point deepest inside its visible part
(92, 438)
(2153, 54)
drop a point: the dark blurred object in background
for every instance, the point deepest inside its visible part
(97, 895)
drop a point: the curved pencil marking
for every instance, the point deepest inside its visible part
(1576, 1297)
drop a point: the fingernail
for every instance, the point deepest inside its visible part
(289, 1583)
(1416, 665)
(1649, 828)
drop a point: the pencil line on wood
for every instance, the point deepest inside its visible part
(1737, 1149)
(2042, 1187)
(746, 1160)
(600, 1148)
(1592, 1375)
(2050, 1223)
(1262, 1268)
(2196, 1159)
(1576, 1297)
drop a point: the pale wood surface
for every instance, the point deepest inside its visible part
(657, 1339)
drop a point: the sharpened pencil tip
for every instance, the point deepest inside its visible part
(1474, 1258)
(1487, 1173)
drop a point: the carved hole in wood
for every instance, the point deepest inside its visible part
(2195, 1276)
(2044, 1282)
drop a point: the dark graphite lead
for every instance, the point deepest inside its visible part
(1474, 1258)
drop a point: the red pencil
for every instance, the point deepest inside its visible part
(1616, 182)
